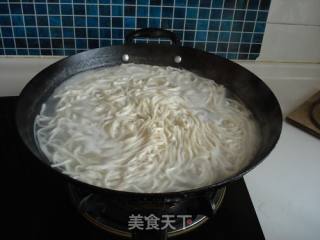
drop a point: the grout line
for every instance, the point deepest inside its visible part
(234, 13)
(245, 15)
(220, 22)
(196, 30)
(49, 25)
(14, 40)
(254, 28)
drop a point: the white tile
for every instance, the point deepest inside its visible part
(293, 43)
(295, 12)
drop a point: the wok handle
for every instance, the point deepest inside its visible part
(153, 33)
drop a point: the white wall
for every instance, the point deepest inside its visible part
(292, 32)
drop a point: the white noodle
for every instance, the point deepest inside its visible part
(144, 128)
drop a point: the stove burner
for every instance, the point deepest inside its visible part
(315, 113)
(111, 215)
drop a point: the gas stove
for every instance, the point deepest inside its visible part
(39, 205)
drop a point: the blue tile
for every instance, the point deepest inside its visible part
(204, 13)
(41, 8)
(104, 1)
(42, 20)
(222, 47)
(257, 38)
(69, 52)
(19, 32)
(260, 27)
(5, 21)
(67, 20)
(181, 3)
(117, 42)
(179, 12)
(7, 32)
(179, 34)
(105, 33)
(262, 16)
(117, 10)
(192, 13)
(68, 32)
(190, 24)
(202, 24)
(55, 21)
(30, 20)
(28, 8)
(253, 4)
(130, 22)
(200, 46)
(166, 23)
(10, 52)
(255, 48)
(104, 10)
(155, 11)
(264, 4)
(81, 43)
(217, 3)
(117, 1)
(241, 4)
(4, 9)
(117, 22)
(92, 9)
(142, 2)
(92, 1)
(230, 3)
(105, 21)
(56, 32)
(8, 42)
(215, 14)
(214, 25)
(79, 1)
(1, 51)
(66, 1)
(15, 8)
(130, 11)
(166, 12)
(167, 2)
(237, 26)
(224, 36)
(239, 15)
(211, 46)
(80, 21)
(253, 56)
(142, 11)
(244, 47)
(189, 35)
(248, 27)
(232, 56)
(58, 52)
(54, 9)
(142, 22)
(79, 9)
(43, 32)
(154, 22)
(246, 37)
(212, 36)
(68, 43)
(34, 51)
(178, 24)
(233, 47)
(201, 36)
(66, 9)
(93, 32)
(117, 33)
(45, 43)
(92, 21)
(193, 3)
(251, 15)
(131, 2)
(22, 51)
(235, 37)
(205, 3)
(57, 43)
(31, 32)
(21, 43)
(225, 25)
(81, 33)
(227, 14)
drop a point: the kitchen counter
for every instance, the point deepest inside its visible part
(285, 187)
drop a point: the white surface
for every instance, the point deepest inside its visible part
(292, 32)
(285, 187)
(295, 12)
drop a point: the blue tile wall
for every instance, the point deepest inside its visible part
(229, 28)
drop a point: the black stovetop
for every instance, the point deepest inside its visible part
(37, 205)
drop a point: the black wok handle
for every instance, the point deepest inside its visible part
(152, 33)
